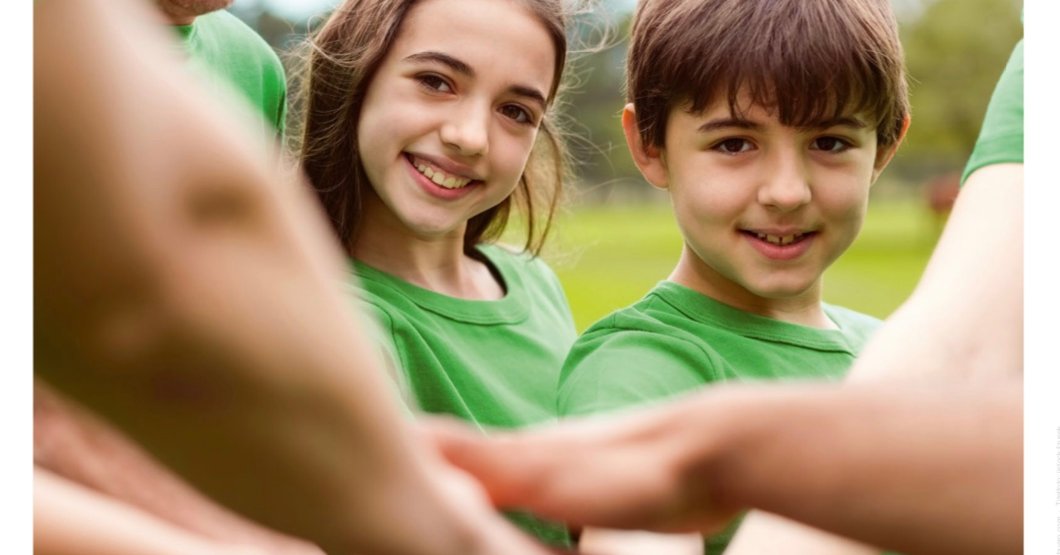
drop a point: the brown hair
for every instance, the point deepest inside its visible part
(810, 60)
(343, 57)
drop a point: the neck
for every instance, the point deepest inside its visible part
(435, 263)
(804, 308)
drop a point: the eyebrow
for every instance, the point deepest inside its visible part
(463, 68)
(727, 123)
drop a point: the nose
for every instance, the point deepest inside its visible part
(467, 129)
(786, 186)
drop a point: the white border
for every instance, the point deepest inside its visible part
(16, 96)
(1041, 401)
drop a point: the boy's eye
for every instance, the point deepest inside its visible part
(517, 114)
(434, 82)
(733, 146)
(830, 144)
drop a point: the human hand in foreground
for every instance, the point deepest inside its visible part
(624, 471)
(872, 463)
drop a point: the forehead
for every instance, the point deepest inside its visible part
(500, 40)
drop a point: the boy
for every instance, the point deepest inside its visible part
(767, 122)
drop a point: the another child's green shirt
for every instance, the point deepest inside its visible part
(1001, 137)
(675, 340)
(492, 363)
(227, 51)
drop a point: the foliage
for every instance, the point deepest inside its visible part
(955, 51)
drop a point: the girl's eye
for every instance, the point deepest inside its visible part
(517, 114)
(830, 144)
(434, 83)
(733, 146)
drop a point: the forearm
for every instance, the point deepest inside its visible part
(965, 318)
(73, 444)
(628, 542)
(193, 299)
(70, 519)
(762, 532)
(886, 466)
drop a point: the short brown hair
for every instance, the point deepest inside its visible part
(342, 58)
(810, 60)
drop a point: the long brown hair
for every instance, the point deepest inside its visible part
(342, 58)
(811, 60)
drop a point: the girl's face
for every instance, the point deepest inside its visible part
(451, 115)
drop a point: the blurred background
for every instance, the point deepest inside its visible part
(616, 238)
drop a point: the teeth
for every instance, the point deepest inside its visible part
(779, 239)
(441, 178)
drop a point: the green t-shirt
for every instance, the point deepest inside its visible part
(1001, 137)
(675, 340)
(227, 51)
(492, 363)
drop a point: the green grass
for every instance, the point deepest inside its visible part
(608, 257)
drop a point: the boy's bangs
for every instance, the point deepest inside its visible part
(801, 95)
(809, 61)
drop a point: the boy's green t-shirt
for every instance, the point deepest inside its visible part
(491, 363)
(1001, 137)
(227, 51)
(676, 340)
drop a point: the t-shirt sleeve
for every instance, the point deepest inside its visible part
(1001, 137)
(615, 369)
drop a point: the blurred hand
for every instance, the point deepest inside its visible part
(624, 471)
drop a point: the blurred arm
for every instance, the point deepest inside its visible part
(69, 519)
(763, 532)
(73, 444)
(965, 318)
(630, 542)
(901, 467)
(190, 294)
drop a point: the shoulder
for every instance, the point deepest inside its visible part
(856, 325)
(631, 357)
(375, 297)
(222, 26)
(532, 270)
(510, 256)
(647, 325)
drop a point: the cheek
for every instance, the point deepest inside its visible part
(510, 157)
(708, 200)
(844, 193)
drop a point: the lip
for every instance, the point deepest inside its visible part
(446, 165)
(432, 188)
(772, 251)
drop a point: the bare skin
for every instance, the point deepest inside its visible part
(74, 444)
(187, 292)
(72, 519)
(693, 464)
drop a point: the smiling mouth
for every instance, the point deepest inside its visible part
(779, 240)
(439, 176)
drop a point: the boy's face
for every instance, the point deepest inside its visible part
(764, 208)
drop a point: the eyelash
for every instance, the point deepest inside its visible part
(522, 113)
(720, 145)
(844, 144)
(435, 83)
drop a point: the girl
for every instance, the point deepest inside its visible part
(426, 122)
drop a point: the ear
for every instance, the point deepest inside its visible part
(885, 154)
(648, 158)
